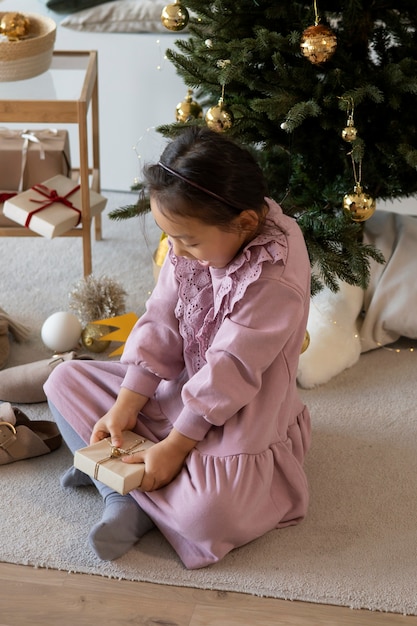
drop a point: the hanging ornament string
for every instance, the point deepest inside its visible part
(358, 205)
(316, 14)
(357, 172)
(349, 133)
(219, 117)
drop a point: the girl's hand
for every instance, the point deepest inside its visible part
(122, 416)
(112, 424)
(163, 461)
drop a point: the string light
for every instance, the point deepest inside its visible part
(396, 350)
(333, 322)
(137, 152)
(135, 147)
(356, 334)
(162, 56)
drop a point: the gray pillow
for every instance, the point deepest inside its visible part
(72, 6)
(120, 16)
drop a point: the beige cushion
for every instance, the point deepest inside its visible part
(71, 6)
(120, 16)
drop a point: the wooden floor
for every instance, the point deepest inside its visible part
(37, 597)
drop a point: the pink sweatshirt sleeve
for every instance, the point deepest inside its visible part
(154, 348)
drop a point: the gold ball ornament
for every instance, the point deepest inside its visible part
(219, 117)
(159, 255)
(188, 109)
(318, 43)
(358, 205)
(349, 133)
(14, 26)
(162, 250)
(175, 16)
(306, 342)
(91, 337)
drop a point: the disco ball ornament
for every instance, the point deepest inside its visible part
(175, 16)
(91, 337)
(188, 109)
(358, 205)
(349, 133)
(318, 43)
(14, 26)
(219, 117)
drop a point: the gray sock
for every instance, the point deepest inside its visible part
(74, 477)
(123, 522)
(122, 525)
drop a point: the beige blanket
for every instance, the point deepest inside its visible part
(345, 324)
(390, 301)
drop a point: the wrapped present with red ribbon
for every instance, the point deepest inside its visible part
(28, 156)
(51, 208)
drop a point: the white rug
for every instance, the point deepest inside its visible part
(356, 548)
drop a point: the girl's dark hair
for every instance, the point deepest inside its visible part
(198, 163)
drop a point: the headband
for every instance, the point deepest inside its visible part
(197, 186)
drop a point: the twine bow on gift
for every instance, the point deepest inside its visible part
(116, 453)
(52, 196)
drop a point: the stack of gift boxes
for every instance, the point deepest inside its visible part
(36, 188)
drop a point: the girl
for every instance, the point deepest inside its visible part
(209, 371)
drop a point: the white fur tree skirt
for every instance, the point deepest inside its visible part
(342, 325)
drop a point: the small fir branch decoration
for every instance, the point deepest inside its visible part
(141, 207)
(95, 298)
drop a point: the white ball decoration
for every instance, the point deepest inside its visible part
(61, 331)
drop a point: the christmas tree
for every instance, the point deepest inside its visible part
(330, 118)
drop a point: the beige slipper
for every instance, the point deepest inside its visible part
(10, 328)
(23, 384)
(22, 438)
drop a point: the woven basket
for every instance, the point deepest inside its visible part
(28, 57)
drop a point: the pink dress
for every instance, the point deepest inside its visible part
(216, 352)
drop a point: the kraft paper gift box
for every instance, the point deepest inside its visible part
(4, 221)
(51, 208)
(97, 461)
(29, 156)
